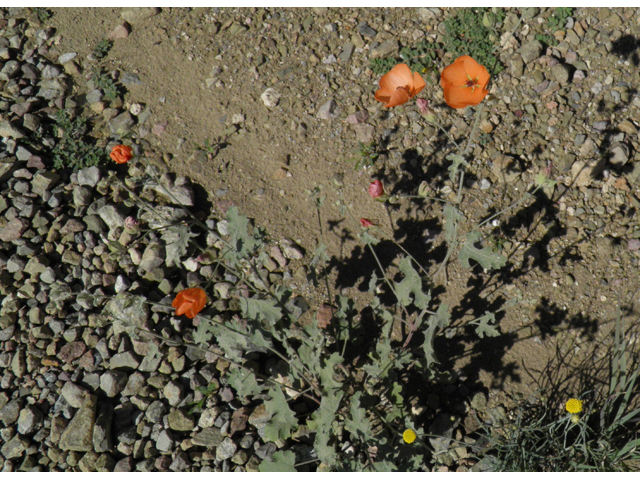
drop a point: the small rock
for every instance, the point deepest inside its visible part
(633, 245)
(124, 360)
(364, 132)
(73, 394)
(270, 97)
(13, 230)
(385, 49)
(66, 57)
(113, 382)
(226, 450)
(180, 462)
(619, 154)
(153, 256)
(138, 14)
(208, 437)
(561, 73)
(155, 411)
(164, 443)
(366, 30)
(174, 393)
(121, 31)
(15, 447)
(530, 51)
(102, 441)
(583, 172)
(327, 110)
(506, 168)
(72, 351)
(89, 176)
(180, 421)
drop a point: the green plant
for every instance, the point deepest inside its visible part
(220, 142)
(422, 57)
(471, 31)
(555, 22)
(604, 438)
(366, 155)
(558, 18)
(380, 66)
(105, 83)
(102, 49)
(42, 13)
(71, 150)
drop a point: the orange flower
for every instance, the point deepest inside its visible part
(399, 85)
(121, 154)
(189, 301)
(464, 82)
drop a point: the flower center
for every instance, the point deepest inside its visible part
(471, 83)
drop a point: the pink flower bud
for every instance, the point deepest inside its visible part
(376, 189)
(423, 105)
(366, 223)
(131, 223)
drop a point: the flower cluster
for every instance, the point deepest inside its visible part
(464, 83)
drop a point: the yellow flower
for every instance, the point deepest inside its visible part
(409, 436)
(575, 418)
(574, 406)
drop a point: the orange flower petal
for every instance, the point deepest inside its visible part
(398, 97)
(418, 84)
(454, 75)
(475, 70)
(398, 76)
(383, 95)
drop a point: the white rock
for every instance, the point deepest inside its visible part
(270, 97)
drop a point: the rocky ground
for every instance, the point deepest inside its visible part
(293, 94)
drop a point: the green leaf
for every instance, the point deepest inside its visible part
(358, 424)
(203, 334)
(176, 239)
(384, 466)
(435, 324)
(327, 372)
(484, 325)
(280, 462)
(411, 284)
(368, 239)
(245, 239)
(283, 420)
(325, 452)
(456, 160)
(244, 382)
(266, 309)
(451, 218)
(486, 257)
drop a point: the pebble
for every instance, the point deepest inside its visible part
(180, 421)
(327, 110)
(73, 394)
(270, 97)
(226, 449)
(113, 382)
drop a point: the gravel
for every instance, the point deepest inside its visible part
(78, 394)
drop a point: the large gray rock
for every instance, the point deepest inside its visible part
(78, 436)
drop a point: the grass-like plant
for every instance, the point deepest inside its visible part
(598, 431)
